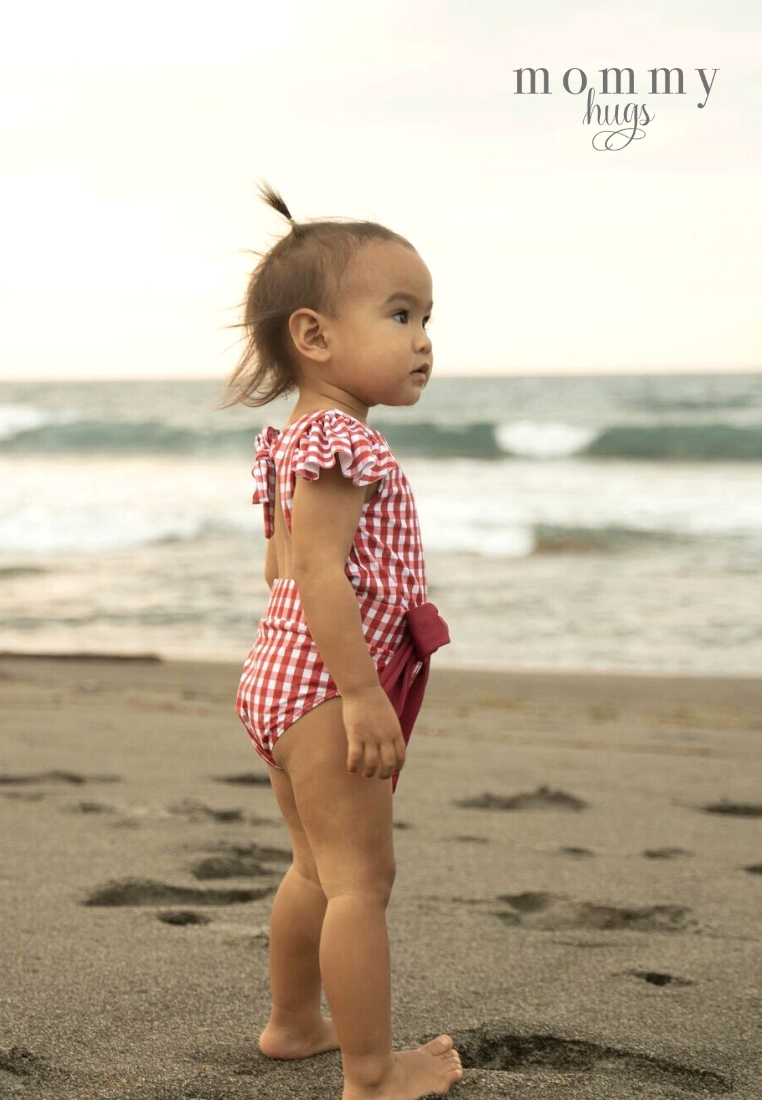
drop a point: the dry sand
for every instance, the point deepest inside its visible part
(598, 936)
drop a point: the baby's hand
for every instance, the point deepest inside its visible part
(374, 735)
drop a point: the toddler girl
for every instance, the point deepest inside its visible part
(337, 312)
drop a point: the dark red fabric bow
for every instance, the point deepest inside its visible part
(427, 631)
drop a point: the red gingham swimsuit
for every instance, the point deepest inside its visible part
(284, 676)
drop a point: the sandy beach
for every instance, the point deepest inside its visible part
(578, 898)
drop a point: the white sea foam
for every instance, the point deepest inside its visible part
(16, 419)
(72, 504)
(543, 439)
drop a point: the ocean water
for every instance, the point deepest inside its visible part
(592, 522)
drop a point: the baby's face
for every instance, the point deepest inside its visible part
(379, 339)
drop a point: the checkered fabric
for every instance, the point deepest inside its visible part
(284, 676)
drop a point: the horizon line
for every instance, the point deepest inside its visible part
(528, 373)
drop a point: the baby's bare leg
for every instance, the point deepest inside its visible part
(348, 820)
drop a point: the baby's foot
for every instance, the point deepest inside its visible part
(283, 1042)
(434, 1067)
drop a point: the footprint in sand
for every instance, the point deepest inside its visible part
(240, 862)
(183, 917)
(500, 1059)
(148, 892)
(541, 799)
(244, 779)
(665, 853)
(71, 778)
(547, 912)
(550, 912)
(199, 811)
(19, 1068)
(192, 810)
(734, 809)
(88, 806)
(657, 977)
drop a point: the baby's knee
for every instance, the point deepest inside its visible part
(374, 882)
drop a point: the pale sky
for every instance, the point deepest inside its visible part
(132, 138)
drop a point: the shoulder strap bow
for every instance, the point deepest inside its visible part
(263, 472)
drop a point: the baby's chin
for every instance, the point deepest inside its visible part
(412, 394)
(412, 399)
(396, 400)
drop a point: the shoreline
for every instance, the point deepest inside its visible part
(437, 665)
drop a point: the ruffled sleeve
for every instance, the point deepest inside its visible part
(263, 472)
(364, 454)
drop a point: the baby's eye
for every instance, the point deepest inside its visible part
(406, 313)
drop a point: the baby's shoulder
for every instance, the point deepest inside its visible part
(331, 420)
(312, 441)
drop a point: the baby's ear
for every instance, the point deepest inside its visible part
(307, 329)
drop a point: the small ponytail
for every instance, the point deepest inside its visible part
(274, 199)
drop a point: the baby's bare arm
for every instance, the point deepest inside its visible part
(325, 515)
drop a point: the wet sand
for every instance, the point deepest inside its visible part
(578, 897)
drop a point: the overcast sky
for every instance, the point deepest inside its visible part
(133, 137)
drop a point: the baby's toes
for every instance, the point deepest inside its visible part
(452, 1058)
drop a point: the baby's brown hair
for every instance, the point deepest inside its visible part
(304, 269)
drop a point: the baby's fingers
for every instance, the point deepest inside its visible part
(372, 761)
(382, 759)
(388, 759)
(362, 758)
(355, 756)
